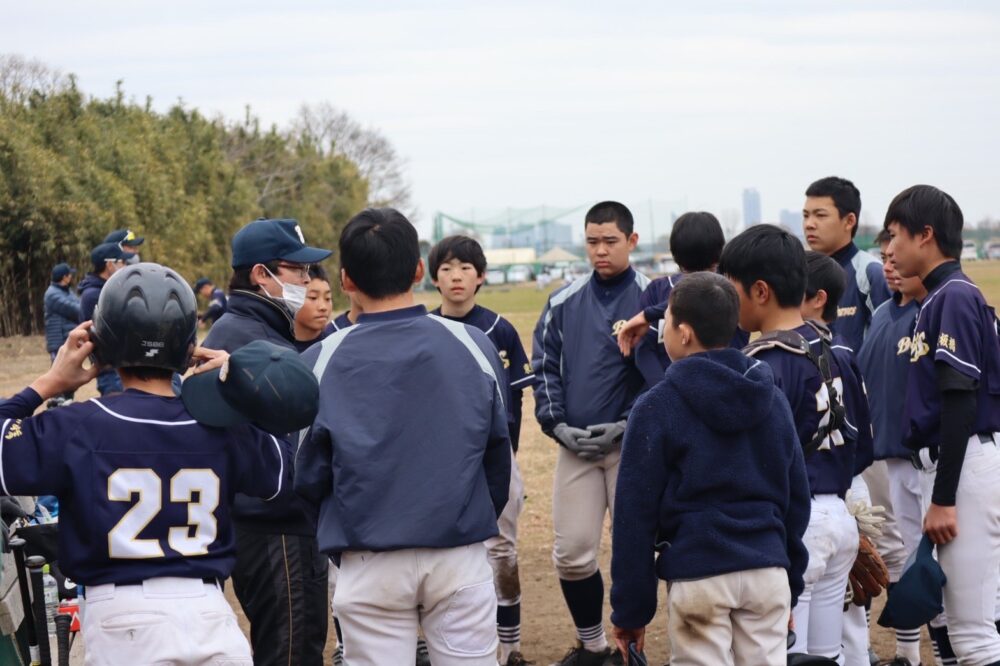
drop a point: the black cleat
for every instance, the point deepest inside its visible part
(578, 656)
(517, 659)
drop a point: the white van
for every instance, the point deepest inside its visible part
(969, 251)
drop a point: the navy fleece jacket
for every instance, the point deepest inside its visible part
(712, 477)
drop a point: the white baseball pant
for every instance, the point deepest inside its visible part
(161, 621)
(502, 549)
(855, 631)
(735, 618)
(383, 598)
(971, 561)
(907, 487)
(583, 493)
(890, 544)
(832, 541)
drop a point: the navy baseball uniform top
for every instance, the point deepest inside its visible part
(386, 473)
(651, 356)
(884, 360)
(216, 306)
(832, 467)
(144, 490)
(517, 368)
(90, 291)
(866, 290)
(339, 322)
(581, 378)
(956, 327)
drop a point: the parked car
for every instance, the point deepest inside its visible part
(496, 276)
(969, 251)
(993, 251)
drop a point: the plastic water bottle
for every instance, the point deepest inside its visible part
(51, 588)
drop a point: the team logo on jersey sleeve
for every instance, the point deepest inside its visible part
(919, 346)
(617, 327)
(847, 312)
(14, 431)
(503, 357)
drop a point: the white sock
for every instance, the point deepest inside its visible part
(593, 638)
(908, 645)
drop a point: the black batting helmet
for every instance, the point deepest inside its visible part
(146, 316)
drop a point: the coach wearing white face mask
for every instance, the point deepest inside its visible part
(280, 575)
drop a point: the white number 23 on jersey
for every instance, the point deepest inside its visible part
(124, 484)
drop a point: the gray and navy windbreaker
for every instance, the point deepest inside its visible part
(581, 378)
(410, 447)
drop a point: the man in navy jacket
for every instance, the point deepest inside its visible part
(280, 576)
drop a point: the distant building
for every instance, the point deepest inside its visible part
(751, 207)
(791, 220)
(542, 237)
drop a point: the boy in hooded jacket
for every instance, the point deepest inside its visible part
(713, 480)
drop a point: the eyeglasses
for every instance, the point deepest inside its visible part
(301, 270)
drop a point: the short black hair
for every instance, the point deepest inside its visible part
(883, 237)
(845, 195)
(380, 252)
(241, 276)
(771, 254)
(466, 250)
(926, 206)
(611, 211)
(709, 304)
(825, 273)
(696, 241)
(317, 272)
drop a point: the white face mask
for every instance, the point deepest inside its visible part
(294, 295)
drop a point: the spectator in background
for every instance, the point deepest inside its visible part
(62, 314)
(216, 300)
(128, 241)
(107, 258)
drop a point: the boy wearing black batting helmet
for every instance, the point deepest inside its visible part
(145, 490)
(767, 265)
(712, 481)
(952, 413)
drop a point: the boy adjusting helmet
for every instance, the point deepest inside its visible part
(146, 316)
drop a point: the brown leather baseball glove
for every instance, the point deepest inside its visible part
(869, 575)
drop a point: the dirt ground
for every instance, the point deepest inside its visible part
(547, 630)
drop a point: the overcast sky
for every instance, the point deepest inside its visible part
(565, 104)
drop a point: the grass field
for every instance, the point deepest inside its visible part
(547, 630)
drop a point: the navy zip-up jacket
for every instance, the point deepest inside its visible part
(711, 468)
(252, 316)
(581, 378)
(62, 314)
(866, 290)
(386, 473)
(90, 290)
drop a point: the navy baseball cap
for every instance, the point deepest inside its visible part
(125, 237)
(917, 598)
(260, 383)
(109, 252)
(201, 283)
(263, 240)
(59, 271)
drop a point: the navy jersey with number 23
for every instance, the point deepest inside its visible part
(144, 490)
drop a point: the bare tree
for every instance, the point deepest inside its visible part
(19, 77)
(334, 131)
